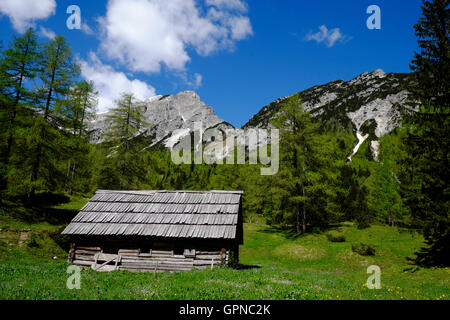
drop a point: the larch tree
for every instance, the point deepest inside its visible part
(18, 66)
(57, 74)
(296, 154)
(126, 126)
(78, 111)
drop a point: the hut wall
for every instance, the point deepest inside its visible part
(164, 256)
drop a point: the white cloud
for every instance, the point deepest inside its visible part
(228, 4)
(197, 80)
(48, 33)
(86, 29)
(145, 34)
(110, 83)
(192, 81)
(329, 37)
(23, 13)
(240, 27)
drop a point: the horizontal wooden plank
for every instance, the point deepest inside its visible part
(127, 252)
(162, 252)
(156, 264)
(155, 260)
(82, 262)
(86, 252)
(84, 258)
(106, 256)
(145, 254)
(89, 248)
(139, 270)
(156, 257)
(206, 257)
(152, 269)
(207, 252)
(206, 262)
(162, 256)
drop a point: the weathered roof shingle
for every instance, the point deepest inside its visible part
(173, 214)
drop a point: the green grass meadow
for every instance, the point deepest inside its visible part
(276, 265)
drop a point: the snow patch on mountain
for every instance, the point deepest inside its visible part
(361, 140)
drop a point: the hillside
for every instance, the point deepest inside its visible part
(275, 265)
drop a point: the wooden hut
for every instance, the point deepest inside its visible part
(157, 230)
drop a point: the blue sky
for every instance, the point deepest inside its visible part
(237, 55)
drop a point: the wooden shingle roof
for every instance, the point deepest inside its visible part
(173, 214)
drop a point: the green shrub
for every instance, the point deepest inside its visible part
(335, 237)
(362, 221)
(33, 241)
(364, 249)
(3, 245)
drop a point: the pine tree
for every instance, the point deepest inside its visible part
(389, 204)
(426, 173)
(303, 192)
(58, 72)
(353, 194)
(126, 124)
(19, 65)
(296, 131)
(388, 199)
(79, 109)
(432, 63)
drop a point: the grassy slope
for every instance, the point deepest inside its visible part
(308, 267)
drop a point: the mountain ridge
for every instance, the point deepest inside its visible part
(369, 105)
(350, 96)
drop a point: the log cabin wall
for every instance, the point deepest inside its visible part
(162, 258)
(157, 230)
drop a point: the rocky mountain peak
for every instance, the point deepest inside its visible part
(366, 77)
(168, 113)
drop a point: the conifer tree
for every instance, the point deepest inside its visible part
(353, 194)
(126, 125)
(19, 64)
(426, 173)
(57, 73)
(432, 63)
(78, 111)
(301, 188)
(389, 204)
